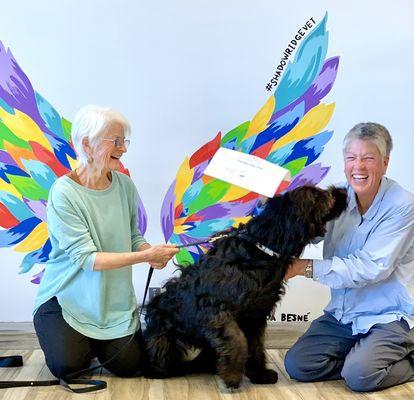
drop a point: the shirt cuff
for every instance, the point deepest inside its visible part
(320, 268)
(90, 261)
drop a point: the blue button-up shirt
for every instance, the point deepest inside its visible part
(369, 260)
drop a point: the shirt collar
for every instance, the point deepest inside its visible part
(373, 209)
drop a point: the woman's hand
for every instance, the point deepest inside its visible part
(296, 268)
(159, 255)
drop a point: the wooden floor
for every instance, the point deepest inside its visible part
(197, 387)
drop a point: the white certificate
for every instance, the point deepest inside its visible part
(247, 171)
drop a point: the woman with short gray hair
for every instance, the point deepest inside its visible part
(366, 334)
(372, 132)
(86, 306)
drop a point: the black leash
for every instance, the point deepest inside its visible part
(94, 385)
(149, 276)
(91, 385)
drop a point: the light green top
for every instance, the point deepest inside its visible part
(81, 223)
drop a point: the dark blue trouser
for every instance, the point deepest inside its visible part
(68, 351)
(381, 358)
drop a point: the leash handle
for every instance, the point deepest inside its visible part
(91, 385)
(11, 361)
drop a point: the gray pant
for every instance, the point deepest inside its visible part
(381, 358)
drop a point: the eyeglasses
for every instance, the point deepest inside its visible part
(119, 142)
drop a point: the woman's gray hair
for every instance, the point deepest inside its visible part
(372, 132)
(92, 122)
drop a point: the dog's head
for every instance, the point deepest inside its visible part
(289, 222)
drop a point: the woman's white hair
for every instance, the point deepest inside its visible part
(92, 122)
(372, 132)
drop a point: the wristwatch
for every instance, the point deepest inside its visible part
(308, 273)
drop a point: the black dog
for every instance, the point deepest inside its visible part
(221, 304)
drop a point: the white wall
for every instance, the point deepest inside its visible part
(183, 70)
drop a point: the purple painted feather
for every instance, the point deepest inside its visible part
(38, 207)
(38, 277)
(141, 217)
(16, 89)
(322, 84)
(310, 175)
(7, 159)
(199, 170)
(230, 209)
(167, 212)
(317, 91)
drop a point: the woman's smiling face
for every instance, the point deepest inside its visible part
(106, 151)
(364, 167)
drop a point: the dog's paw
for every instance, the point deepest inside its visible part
(265, 376)
(232, 381)
(154, 374)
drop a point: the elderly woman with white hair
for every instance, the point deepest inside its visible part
(86, 305)
(365, 335)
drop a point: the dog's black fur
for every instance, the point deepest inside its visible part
(221, 303)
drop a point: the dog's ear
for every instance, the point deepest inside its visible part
(302, 200)
(312, 208)
(271, 221)
(340, 203)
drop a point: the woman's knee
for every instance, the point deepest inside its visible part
(306, 365)
(127, 366)
(296, 365)
(126, 369)
(122, 358)
(360, 376)
(63, 367)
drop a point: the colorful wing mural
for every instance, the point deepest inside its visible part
(35, 149)
(288, 130)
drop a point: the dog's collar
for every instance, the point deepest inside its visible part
(243, 233)
(268, 251)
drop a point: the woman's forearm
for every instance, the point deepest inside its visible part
(157, 256)
(105, 261)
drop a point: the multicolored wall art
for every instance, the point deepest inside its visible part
(289, 130)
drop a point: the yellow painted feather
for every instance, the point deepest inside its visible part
(184, 177)
(72, 162)
(313, 122)
(35, 240)
(234, 192)
(24, 127)
(262, 117)
(241, 220)
(7, 187)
